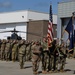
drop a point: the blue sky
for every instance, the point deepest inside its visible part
(36, 5)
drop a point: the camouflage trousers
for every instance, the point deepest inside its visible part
(35, 61)
(28, 55)
(62, 63)
(51, 63)
(7, 55)
(45, 61)
(14, 56)
(2, 55)
(21, 61)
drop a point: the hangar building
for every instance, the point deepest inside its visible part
(28, 21)
(65, 10)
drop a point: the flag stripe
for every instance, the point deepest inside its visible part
(50, 26)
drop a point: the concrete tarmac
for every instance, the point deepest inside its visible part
(12, 68)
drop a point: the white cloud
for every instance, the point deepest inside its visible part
(5, 4)
(42, 4)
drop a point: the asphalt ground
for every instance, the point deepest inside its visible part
(12, 68)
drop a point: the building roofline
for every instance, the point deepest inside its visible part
(38, 20)
(13, 11)
(25, 10)
(66, 1)
(39, 11)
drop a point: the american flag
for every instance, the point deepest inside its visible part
(50, 26)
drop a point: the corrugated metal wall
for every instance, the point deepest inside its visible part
(65, 9)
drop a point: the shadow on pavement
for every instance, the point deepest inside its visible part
(39, 72)
(74, 72)
(68, 70)
(27, 67)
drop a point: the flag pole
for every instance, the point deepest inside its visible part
(73, 14)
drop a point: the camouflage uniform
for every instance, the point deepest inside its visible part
(62, 56)
(55, 66)
(28, 51)
(22, 52)
(57, 58)
(14, 50)
(36, 56)
(11, 43)
(3, 49)
(51, 57)
(67, 49)
(54, 56)
(7, 50)
(45, 56)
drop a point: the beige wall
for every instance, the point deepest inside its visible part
(38, 29)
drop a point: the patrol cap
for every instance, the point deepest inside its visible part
(22, 41)
(4, 41)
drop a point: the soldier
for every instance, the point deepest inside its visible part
(54, 56)
(45, 55)
(62, 56)
(14, 50)
(22, 53)
(28, 51)
(36, 56)
(57, 56)
(7, 50)
(67, 49)
(11, 42)
(3, 49)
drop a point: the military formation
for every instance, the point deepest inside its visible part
(15, 50)
(52, 57)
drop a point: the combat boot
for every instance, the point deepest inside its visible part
(61, 70)
(50, 71)
(44, 72)
(55, 71)
(35, 72)
(21, 67)
(13, 60)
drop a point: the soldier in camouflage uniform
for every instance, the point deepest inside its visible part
(62, 57)
(28, 51)
(22, 53)
(45, 55)
(7, 50)
(67, 49)
(36, 56)
(14, 50)
(3, 49)
(11, 42)
(54, 57)
(57, 54)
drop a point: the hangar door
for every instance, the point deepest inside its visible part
(8, 27)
